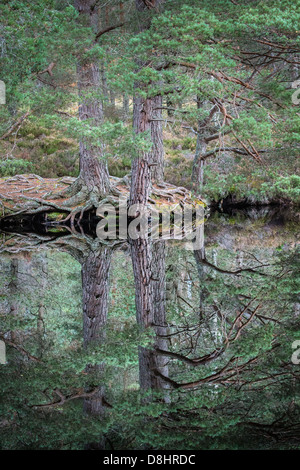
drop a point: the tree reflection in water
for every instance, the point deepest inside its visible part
(180, 350)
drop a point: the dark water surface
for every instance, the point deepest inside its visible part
(207, 359)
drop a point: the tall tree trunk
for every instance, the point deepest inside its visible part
(140, 173)
(160, 324)
(93, 168)
(43, 281)
(148, 260)
(157, 152)
(141, 254)
(95, 285)
(199, 256)
(198, 165)
(146, 118)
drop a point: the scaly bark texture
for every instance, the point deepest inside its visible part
(160, 324)
(141, 254)
(148, 260)
(150, 164)
(140, 172)
(199, 256)
(93, 168)
(147, 118)
(157, 156)
(95, 178)
(198, 164)
(201, 145)
(95, 285)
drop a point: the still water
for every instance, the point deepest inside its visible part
(194, 350)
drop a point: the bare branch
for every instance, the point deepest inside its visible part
(109, 28)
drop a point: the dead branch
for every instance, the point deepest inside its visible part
(19, 348)
(109, 28)
(15, 125)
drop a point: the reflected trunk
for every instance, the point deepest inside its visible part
(199, 256)
(95, 285)
(148, 260)
(160, 323)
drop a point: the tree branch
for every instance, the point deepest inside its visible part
(15, 125)
(109, 28)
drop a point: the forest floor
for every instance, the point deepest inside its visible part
(18, 191)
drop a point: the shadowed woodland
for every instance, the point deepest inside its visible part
(197, 357)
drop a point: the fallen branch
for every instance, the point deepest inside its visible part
(15, 125)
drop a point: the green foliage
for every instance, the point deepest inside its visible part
(287, 187)
(11, 167)
(249, 182)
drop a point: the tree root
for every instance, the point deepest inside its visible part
(74, 188)
(169, 191)
(76, 199)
